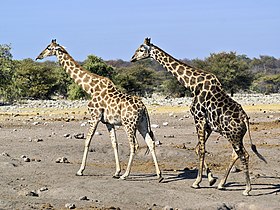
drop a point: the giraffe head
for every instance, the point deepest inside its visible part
(143, 51)
(51, 50)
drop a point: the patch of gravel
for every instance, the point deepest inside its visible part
(243, 99)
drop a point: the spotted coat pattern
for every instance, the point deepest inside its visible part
(212, 109)
(109, 106)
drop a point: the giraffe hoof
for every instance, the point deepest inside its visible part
(195, 186)
(122, 178)
(79, 174)
(116, 176)
(221, 187)
(160, 179)
(212, 181)
(246, 193)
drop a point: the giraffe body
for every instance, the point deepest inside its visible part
(109, 106)
(212, 109)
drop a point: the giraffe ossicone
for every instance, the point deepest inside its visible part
(212, 109)
(109, 106)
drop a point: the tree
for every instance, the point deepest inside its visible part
(267, 84)
(95, 65)
(33, 80)
(266, 65)
(136, 79)
(6, 72)
(62, 79)
(232, 70)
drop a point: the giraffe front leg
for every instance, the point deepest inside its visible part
(212, 180)
(111, 129)
(201, 153)
(244, 158)
(93, 126)
(201, 164)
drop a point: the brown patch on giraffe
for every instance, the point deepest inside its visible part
(86, 87)
(209, 77)
(200, 79)
(174, 65)
(181, 70)
(86, 79)
(97, 88)
(81, 74)
(206, 85)
(74, 76)
(175, 74)
(103, 93)
(193, 81)
(76, 70)
(188, 73)
(78, 81)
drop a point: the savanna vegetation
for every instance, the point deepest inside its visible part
(21, 79)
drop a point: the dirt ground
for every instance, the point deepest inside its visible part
(42, 183)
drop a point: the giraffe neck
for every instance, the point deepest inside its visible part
(185, 74)
(91, 83)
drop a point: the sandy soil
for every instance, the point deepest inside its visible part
(44, 184)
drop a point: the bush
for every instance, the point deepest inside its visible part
(32, 80)
(136, 79)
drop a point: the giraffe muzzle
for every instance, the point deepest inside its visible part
(133, 59)
(39, 57)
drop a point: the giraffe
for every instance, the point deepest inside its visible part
(109, 106)
(212, 109)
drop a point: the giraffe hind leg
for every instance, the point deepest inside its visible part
(133, 146)
(111, 129)
(149, 138)
(239, 152)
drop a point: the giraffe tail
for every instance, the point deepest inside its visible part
(253, 146)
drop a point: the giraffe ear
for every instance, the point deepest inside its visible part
(147, 41)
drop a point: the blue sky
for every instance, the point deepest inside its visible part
(114, 29)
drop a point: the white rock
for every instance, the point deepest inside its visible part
(5, 154)
(62, 160)
(97, 133)
(155, 126)
(158, 143)
(42, 189)
(83, 198)
(83, 124)
(67, 135)
(70, 205)
(165, 123)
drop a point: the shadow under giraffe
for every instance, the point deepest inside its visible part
(212, 109)
(109, 106)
